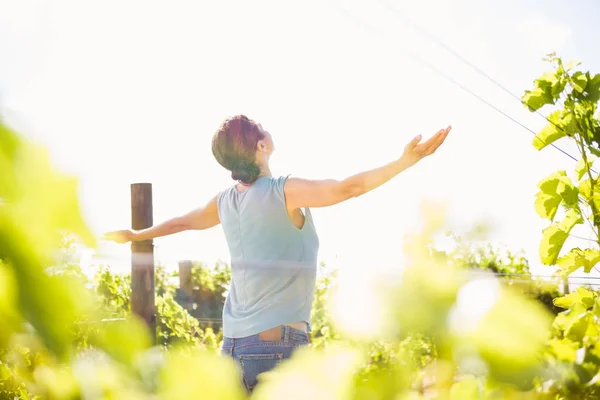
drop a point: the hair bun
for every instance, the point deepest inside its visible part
(244, 171)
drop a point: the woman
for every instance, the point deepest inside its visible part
(272, 240)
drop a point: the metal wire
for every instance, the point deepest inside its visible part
(458, 84)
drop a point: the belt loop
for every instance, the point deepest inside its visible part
(286, 334)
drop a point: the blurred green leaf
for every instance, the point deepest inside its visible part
(468, 388)
(311, 374)
(199, 374)
(563, 349)
(39, 204)
(511, 337)
(125, 340)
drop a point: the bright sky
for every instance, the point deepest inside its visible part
(131, 91)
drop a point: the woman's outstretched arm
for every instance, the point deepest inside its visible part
(301, 193)
(198, 219)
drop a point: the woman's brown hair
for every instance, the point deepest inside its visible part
(234, 147)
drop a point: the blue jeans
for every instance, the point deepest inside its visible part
(255, 356)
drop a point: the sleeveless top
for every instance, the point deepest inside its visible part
(273, 263)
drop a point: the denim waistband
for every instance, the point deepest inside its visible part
(289, 335)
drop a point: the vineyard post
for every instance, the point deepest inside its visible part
(566, 286)
(185, 281)
(142, 257)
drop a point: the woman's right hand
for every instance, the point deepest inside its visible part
(415, 151)
(122, 236)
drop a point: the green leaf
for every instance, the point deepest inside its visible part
(536, 99)
(558, 87)
(592, 257)
(581, 297)
(548, 199)
(583, 166)
(125, 340)
(546, 81)
(564, 349)
(555, 189)
(554, 236)
(549, 134)
(585, 188)
(593, 88)
(579, 81)
(568, 192)
(572, 218)
(578, 258)
(4, 372)
(467, 388)
(568, 124)
(510, 337)
(594, 151)
(579, 327)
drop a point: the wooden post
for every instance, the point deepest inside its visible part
(185, 277)
(142, 257)
(566, 285)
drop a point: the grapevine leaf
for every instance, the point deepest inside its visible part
(593, 89)
(579, 327)
(554, 236)
(578, 258)
(583, 166)
(581, 297)
(568, 124)
(593, 150)
(558, 87)
(564, 349)
(552, 241)
(568, 191)
(592, 257)
(579, 81)
(555, 189)
(548, 199)
(572, 261)
(585, 188)
(536, 99)
(546, 81)
(547, 205)
(549, 134)
(572, 218)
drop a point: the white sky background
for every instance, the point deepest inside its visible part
(131, 91)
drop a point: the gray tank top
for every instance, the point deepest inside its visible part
(273, 263)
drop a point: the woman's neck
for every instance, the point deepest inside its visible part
(265, 171)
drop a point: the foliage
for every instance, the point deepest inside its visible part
(40, 305)
(215, 280)
(446, 333)
(209, 289)
(573, 351)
